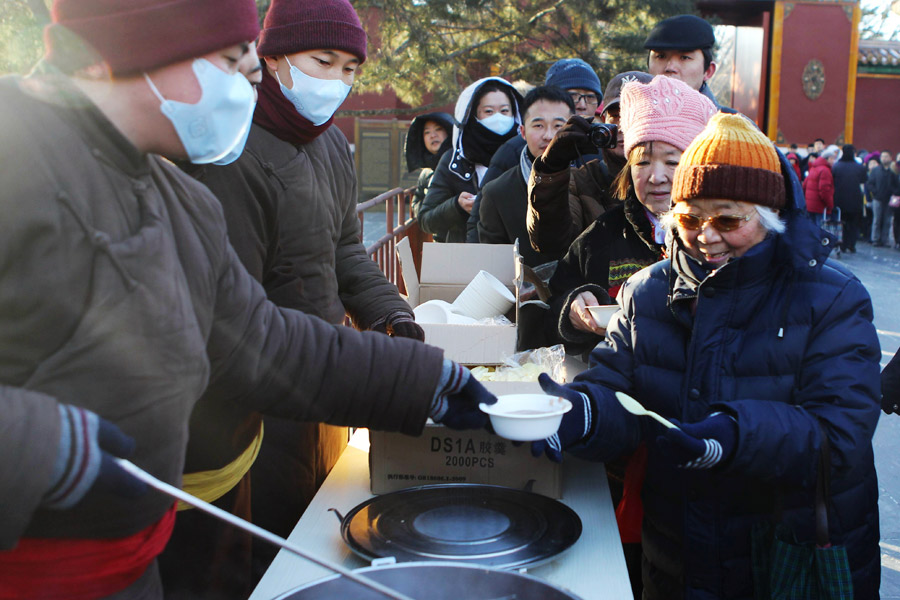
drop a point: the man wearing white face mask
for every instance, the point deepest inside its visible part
(290, 205)
(121, 299)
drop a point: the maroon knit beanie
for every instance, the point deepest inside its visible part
(132, 36)
(293, 26)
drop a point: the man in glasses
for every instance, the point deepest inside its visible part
(580, 81)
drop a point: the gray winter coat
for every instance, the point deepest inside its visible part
(120, 293)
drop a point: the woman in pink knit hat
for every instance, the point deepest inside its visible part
(659, 120)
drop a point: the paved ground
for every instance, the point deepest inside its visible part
(879, 270)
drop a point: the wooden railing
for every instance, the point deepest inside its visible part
(399, 224)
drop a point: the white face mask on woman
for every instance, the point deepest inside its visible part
(213, 126)
(315, 99)
(498, 123)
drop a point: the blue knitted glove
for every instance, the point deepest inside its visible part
(87, 445)
(575, 426)
(457, 398)
(700, 445)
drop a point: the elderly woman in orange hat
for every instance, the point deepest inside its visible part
(763, 354)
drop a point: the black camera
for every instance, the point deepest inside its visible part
(604, 135)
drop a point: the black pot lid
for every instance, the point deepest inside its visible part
(487, 525)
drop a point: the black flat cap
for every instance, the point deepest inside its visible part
(682, 32)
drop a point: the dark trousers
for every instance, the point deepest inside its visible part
(207, 559)
(866, 224)
(896, 212)
(851, 223)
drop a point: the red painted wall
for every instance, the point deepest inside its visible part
(814, 31)
(876, 120)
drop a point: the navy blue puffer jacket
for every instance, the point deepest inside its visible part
(781, 339)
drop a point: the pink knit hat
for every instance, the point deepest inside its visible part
(664, 110)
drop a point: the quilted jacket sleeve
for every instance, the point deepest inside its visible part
(551, 225)
(837, 384)
(297, 366)
(364, 290)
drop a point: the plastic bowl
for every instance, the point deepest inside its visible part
(526, 417)
(484, 297)
(602, 314)
(438, 311)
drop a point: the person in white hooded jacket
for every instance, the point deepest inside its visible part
(487, 115)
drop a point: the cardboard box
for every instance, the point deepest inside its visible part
(446, 270)
(444, 455)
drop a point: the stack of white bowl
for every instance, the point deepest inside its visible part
(485, 297)
(438, 311)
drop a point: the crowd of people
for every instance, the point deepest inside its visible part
(181, 249)
(857, 188)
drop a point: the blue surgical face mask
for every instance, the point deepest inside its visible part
(315, 99)
(212, 127)
(498, 123)
(235, 152)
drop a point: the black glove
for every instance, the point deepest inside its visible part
(405, 326)
(569, 143)
(575, 426)
(87, 445)
(457, 398)
(400, 324)
(700, 445)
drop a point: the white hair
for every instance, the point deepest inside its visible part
(830, 151)
(767, 217)
(770, 219)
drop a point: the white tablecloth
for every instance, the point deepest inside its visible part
(593, 568)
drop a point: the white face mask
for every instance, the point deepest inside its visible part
(315, 99)
(235, 152)
(212, 127)
(498, 123)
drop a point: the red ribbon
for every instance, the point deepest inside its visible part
(79, 569)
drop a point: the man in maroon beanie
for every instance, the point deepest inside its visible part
(121, 299)
(290, 205)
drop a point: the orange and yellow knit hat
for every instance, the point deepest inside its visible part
(731, 159)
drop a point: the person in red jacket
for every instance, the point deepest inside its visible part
(819, 185)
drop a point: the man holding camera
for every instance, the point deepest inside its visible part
(679, 47)
(553, 224)
(504, 201)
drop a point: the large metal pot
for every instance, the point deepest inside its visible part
(433, 581)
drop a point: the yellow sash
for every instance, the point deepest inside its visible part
(212, 485)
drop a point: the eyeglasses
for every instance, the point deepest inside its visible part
(719, 222)
(589, 99)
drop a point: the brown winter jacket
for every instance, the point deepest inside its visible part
(553, 223)
(120, 293)
(319, 227)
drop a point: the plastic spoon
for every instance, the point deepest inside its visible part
(635, 408)
(253, 529)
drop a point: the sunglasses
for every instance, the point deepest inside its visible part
(719, 222)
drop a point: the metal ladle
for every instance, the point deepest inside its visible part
(253, 529)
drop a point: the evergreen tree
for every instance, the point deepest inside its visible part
(439, 46)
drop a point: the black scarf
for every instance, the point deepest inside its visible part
(431, 160)
(480, 143)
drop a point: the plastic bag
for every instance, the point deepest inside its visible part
(526, 366)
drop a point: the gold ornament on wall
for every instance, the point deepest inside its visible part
(813, 79)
